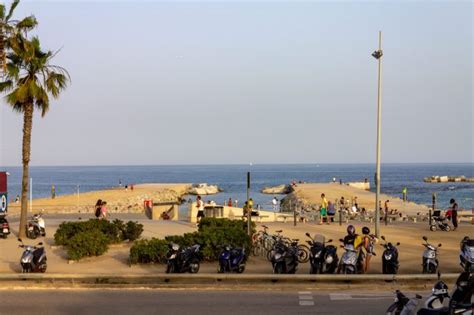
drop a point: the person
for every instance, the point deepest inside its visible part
(131, 187)
(334, 179)
(120, 183)
(404, 193)
(165, 216)
(17, 199)
(352, 238)
(454, 213)
(340, 181)
(331, 211)
(229, 203)
(97, 208)
(245, 210)
(303, 215)
(103, 211)
(355, 203)
(386, 208)
(200, 208)
(323, 209)
(274, 203)
(368, 241)
(236, 203)
(126, 187)
(53, 192)
(250, 204)
(342, 203)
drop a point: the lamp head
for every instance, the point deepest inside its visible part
(377, 54)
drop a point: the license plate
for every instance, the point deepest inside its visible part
(5, 230)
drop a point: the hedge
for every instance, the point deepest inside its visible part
(87, 238)
(211, 235)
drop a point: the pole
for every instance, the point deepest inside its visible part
(248, 208)
(379, 135)
(31, 194)
(340, 213)
(294, 215)
(434, 206)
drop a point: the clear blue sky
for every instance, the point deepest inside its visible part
(240, 82)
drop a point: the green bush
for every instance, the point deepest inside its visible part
(212, 234)
(86, 244)
(148, 251)
(113, 232)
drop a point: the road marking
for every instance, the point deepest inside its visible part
(304, 292)
(306, 303)
(344, 296)
(305, 298)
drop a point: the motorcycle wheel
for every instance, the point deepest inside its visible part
(303, 254)
(348, 271)
(431, 269)
(448, 228)
(269, 255)
(5, 236)
(315, 269)
(43, 267)
(241, 269)
(433, 228)
(170, 268)
(194, 266)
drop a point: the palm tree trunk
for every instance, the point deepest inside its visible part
(27, 126)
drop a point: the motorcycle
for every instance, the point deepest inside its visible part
(33, 258)
(459, 302)
(390, 257)
(181, 260)
(466, 256)
(36, 227)
(285, 258)
(4, 227)
(403, 305)
(232, 260)
(352, 261)
(430, 257)
(323, 258)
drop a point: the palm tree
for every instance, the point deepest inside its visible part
(29, 81)
(9, 27)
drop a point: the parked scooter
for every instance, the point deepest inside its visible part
(36, 227)
(352, 261)
(4, 227)
(232, 259)
(285, 258)
(403, 305)
(33, 258)
(323, 258)
(390, 257)
(459, 303)
(430, 257)
(466, 256)
(180, 260)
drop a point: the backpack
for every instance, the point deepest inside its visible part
(97, 212)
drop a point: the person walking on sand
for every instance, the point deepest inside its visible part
(200, 208)
(404, 194)
(103, 211)
(454, 213)
(323, 210)
(53, 192)
(274, 204)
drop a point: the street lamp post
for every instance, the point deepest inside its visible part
(378, 55)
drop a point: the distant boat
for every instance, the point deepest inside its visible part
(451, 187)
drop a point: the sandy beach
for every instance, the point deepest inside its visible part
(118, 199)
(311, 194)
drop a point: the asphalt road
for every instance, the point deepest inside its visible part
(151, 301)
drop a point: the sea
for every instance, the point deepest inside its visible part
(233, 179)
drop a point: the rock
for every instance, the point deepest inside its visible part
(360, 185)
(203, 189)
(280, 190)
(443, 179)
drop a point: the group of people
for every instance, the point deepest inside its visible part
(101, 209)
(364, 244)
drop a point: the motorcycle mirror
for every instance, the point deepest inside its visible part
(398, 243)
(341, 240)
(382, 237)
(425, 238)
(329, 240)
(40, 243)
(439, 245)
(19, 240)
(307, 234)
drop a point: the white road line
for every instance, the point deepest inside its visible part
(306, 303)
(304, 292)
(339, 296)
(344, 296)
(306, 297)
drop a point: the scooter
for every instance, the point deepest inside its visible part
(285, 258)
(352, 261)
(36, 227)
(430, 257)
(33, 258)
(466, 256)
(232, 260)
(323, 258)
(403, 305)
(390, 257)
(459, 303)
(181, 260)
(4, 227)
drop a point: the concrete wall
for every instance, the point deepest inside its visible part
(155, 213)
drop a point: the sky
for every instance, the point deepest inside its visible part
(251, 82)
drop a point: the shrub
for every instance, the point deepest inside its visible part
(148, 251)
(86, 244)
(132, 231)
(211, 235)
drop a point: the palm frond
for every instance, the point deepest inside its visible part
(2, 12)
(6, 86)
(12, 9)
(27, 24)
